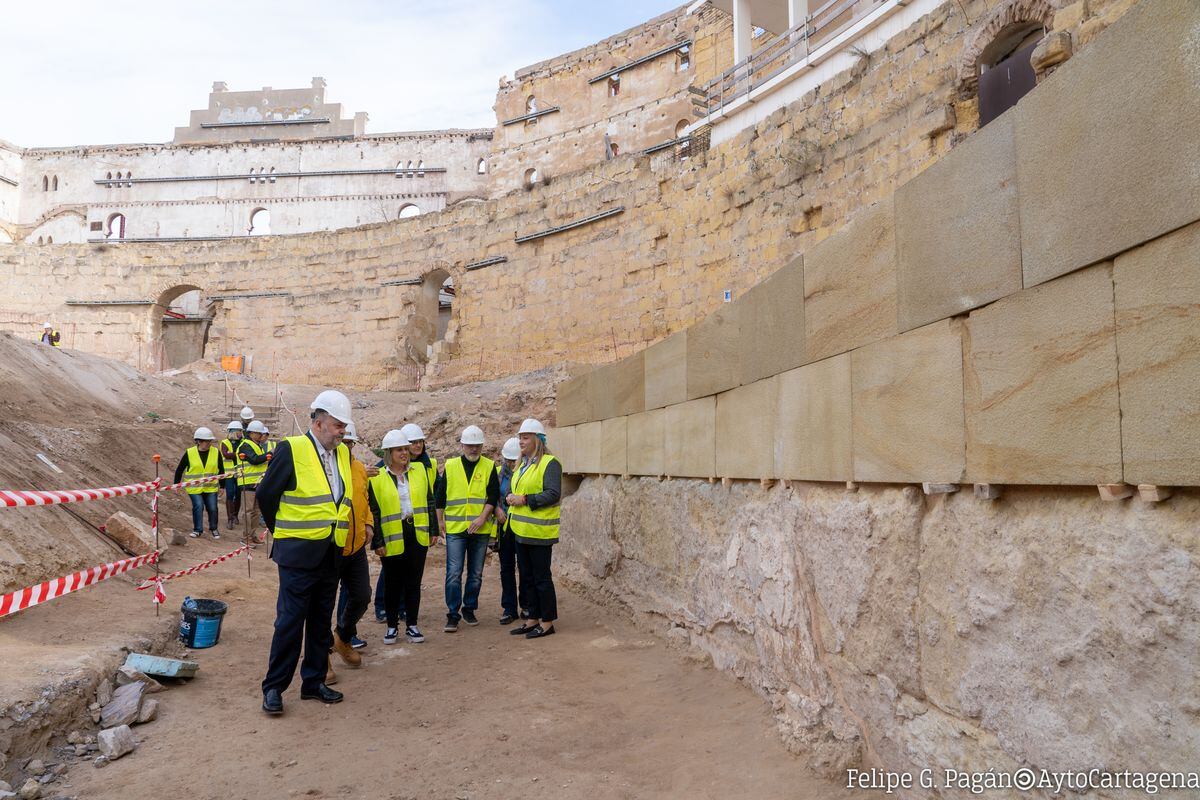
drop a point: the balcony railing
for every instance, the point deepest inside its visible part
(791, 47)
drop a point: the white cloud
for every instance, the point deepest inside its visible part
(129, 71)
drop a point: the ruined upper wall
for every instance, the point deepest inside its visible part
(269, 114)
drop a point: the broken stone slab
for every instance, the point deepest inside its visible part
(159, 665)
(127, 675)
(104, 692)
(116, 742)
(175, 538)
(30, 790)
(132, 533)
(36, 767)
(148, 711)
(124, 708)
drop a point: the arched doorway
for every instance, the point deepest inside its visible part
(179, 325)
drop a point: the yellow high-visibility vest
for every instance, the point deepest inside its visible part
(391, 518)
(529, 523)
(309, 511)
(250, 474)
(202, 467)
(465, 501)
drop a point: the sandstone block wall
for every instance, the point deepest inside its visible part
(963, 365)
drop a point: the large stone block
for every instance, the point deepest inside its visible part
(746, 430)
(573, 400)
(666, 371)
(587, 448)
(619, 389)
(958, 236)
(850, 284)
(1158, 347)
(689, 438)
(813, 431)
(645, 443)
(907, 407)
(612, 446)
(772, 324)
(1107, 146)
(561, 442)
(1040, 378)
(712, 352)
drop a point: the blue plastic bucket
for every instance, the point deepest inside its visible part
(200, 622)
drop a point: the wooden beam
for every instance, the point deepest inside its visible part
(1114, 491)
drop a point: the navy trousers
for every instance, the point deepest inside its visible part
(302, 616)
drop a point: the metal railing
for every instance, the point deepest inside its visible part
(781, 53)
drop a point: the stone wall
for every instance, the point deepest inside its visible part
(886, 628)
(690, 230)
(1002, 319)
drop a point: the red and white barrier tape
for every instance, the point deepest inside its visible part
(157, 581)
(14, 498)
(49, 590)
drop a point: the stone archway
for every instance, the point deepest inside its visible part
(1011, 15)
(179, 323)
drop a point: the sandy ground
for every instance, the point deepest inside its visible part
(598, 710)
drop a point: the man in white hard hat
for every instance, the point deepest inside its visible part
(202, 460)
(50, 336)
(228, 448)
(505, 544)
(252, 460)
(465, 498)
(305, 498)
(247, 415)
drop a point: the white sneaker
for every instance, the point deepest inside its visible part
(413, 634)
(389, 637)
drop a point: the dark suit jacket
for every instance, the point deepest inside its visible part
(279, 478)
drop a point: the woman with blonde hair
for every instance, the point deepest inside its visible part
(533, 517)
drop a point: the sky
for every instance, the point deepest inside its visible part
(127, 71)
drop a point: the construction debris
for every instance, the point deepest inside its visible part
(116, 742)
(162, 666)
(125, 706)
(133, 534)
(127, 675)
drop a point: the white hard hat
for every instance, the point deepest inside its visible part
(471, 435)
(351, 434)
(234, 426)
(511, 449)
(47, 325)
(394, 439)
(531, 426)
(334, 403)
(204, 433)
(247, 413)
(257, 427)
(413, 432)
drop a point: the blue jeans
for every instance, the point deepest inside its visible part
(473, 548)
(200, 504)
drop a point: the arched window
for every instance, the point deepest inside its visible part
(54, 184)
(481, 166)
(260, 222)
(253, 176)
(108, 177)
(530, 105)
(683, 149)
(271, 176)
(683, 59)
(49, 240)
(420, 169)
(1005, 73)
(532, 176)
(40, 240)
(115, 228)
(613, 149)
(45, 183)
(408, 210)
(614, 86)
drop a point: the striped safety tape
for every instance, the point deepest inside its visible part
(34, 595)
(14, 498)
(190, 570)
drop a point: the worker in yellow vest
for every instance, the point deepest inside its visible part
(202, 460)
(465, 498)
(305, 498)
(401, 497)
(533, 508)
(51, 336)
(252, 465)
(229, 446)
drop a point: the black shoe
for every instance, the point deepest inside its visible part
(522, 629)
(451, 625)
(507, 619)
(537, 632)
(324, 694)
(272, 702)
(469, 617)
(381, 617)
(524, 614)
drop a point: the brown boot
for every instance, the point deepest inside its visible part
(349, 655)
(330, 676)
